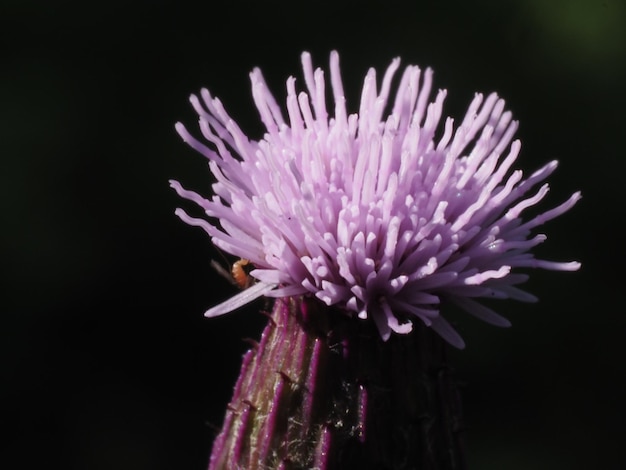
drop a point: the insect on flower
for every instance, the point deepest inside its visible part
(241, 273)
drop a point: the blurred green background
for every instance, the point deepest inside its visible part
(106, 360)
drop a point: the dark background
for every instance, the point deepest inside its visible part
(106, 360)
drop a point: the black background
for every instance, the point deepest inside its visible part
(106, 360)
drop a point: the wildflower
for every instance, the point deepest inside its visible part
(387, 213)
(379, 214)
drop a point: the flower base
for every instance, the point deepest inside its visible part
(322, 391)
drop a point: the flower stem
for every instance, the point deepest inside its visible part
(323, 391)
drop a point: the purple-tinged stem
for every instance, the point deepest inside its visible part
(323, 391)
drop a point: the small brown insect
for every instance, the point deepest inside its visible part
(240, 272)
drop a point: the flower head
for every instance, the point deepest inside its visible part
(381, 214)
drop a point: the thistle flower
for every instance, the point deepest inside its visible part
(379, 214)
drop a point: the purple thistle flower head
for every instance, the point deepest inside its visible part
(380, 215)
